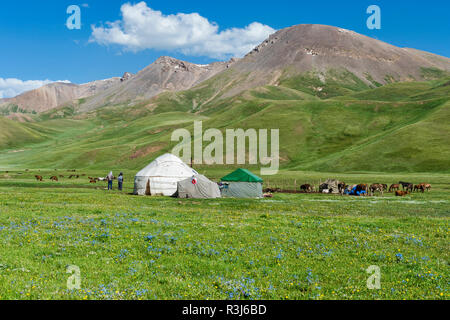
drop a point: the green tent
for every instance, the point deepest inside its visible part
(242, 175)
(241, 184)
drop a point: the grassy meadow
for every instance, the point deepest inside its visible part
(291, 246)
(299, 246)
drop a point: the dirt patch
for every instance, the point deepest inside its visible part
(146, 151)
(156, 131)
(299, 129)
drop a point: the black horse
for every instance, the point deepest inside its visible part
(406, 186)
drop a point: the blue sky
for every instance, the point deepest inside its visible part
(36, 44)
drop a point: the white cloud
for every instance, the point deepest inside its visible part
(191, 34)
(12, 87)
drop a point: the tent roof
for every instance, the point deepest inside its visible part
(242, 175)
(167, 165)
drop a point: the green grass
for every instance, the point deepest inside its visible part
(289, 247)
(400, 127)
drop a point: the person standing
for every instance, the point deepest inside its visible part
(120, 181)
(110, 178)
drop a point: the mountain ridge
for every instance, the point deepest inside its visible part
(289, 57)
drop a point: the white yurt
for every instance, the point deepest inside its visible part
(161, 176)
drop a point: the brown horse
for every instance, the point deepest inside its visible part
(38, 178)
(394, 187)
(376, 187)
(399, 193)
(420, 187)
(54, 178)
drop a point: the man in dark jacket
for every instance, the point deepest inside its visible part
(120, 181)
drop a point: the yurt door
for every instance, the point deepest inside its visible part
(147, 188)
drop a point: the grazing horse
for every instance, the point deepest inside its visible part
(426, 186)
(341, 187)
(399, 193)
(420, 187)
(394, 187)
(307, 188)
(38, 178)
(376, 187)
(54, 178)
(406, 185)
(93, 181)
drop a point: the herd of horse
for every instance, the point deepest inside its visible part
(75, 176)
(366, 189)
(362, 188)
(55, 178)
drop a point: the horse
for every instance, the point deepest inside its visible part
(341, 187)
(54, 178)
(394, 187)
(399, 193)
(406, 185)
(426, 186)
(38, 178)
(420, 187)
(307, 188)
(376, 187)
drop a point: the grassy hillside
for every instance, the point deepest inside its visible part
(14, 134)
(401, 127)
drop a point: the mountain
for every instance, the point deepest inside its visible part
(343, 103)
(320, 60)
(325, 61)
(56, 94)
(165, 74)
